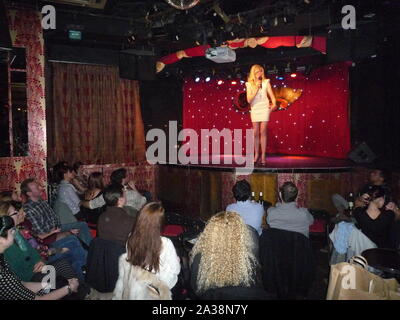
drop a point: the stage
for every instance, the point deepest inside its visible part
(277, 163)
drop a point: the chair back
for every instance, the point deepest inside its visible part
(102, 264)
(287, 263)
(236, 293)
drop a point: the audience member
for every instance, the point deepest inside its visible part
(67, 193)
(114, 223)
(79, 180)
(133, 198)
(148, 250)
(377, 219)
(54, 181)
(94, 194)
(225, 257)
(45, 222)
(286, 215)
(44, 225)
(27, 259)
(11, 287)
(377, 177)
(251, 212)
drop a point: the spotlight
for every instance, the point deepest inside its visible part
(279, 77)
(233, 82)
(220, 82)
(208, 78)
(293, 75)
(197, 75)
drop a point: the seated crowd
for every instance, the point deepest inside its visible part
(110, 239)
(374, 222)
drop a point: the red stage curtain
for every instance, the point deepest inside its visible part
(316, 124)
(95, 116)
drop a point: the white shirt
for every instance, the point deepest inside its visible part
(170, 266)
(68, 194)
(251, 212)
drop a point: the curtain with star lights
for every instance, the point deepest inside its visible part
(317, 124)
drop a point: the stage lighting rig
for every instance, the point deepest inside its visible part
(182, 4)
(308, 70)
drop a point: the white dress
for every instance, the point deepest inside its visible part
(260, 110)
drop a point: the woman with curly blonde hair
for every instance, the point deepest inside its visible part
(224, 260)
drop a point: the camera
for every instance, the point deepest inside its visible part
(6, 223)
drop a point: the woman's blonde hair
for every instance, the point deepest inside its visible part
(252, 75)
(226, 253)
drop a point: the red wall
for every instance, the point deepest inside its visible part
(316, 124)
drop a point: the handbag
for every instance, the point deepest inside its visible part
(140, 284)
(352, 281)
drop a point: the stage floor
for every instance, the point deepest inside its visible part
(278, 163)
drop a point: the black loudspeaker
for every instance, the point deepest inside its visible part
(137, 67)
(362, 154)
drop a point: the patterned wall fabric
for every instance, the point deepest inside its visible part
(26, 31)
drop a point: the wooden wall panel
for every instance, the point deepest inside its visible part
(202, 193)
(266, 183)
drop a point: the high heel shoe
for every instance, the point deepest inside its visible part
(263, 162)
(256, 159)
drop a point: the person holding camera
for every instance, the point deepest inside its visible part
(375, 216)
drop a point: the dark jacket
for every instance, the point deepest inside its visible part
(377, 230)
(102, 264)
(115, 225)
(287, 263)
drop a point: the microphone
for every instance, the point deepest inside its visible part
(260, 78)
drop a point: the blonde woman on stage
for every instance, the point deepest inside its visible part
(262, 102)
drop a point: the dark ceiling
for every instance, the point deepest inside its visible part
(152, 23)
(159, 27)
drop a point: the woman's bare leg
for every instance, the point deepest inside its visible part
(256, 132)
(263, 134)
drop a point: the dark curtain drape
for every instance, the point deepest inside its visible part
(95, 116)
(375, 95)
